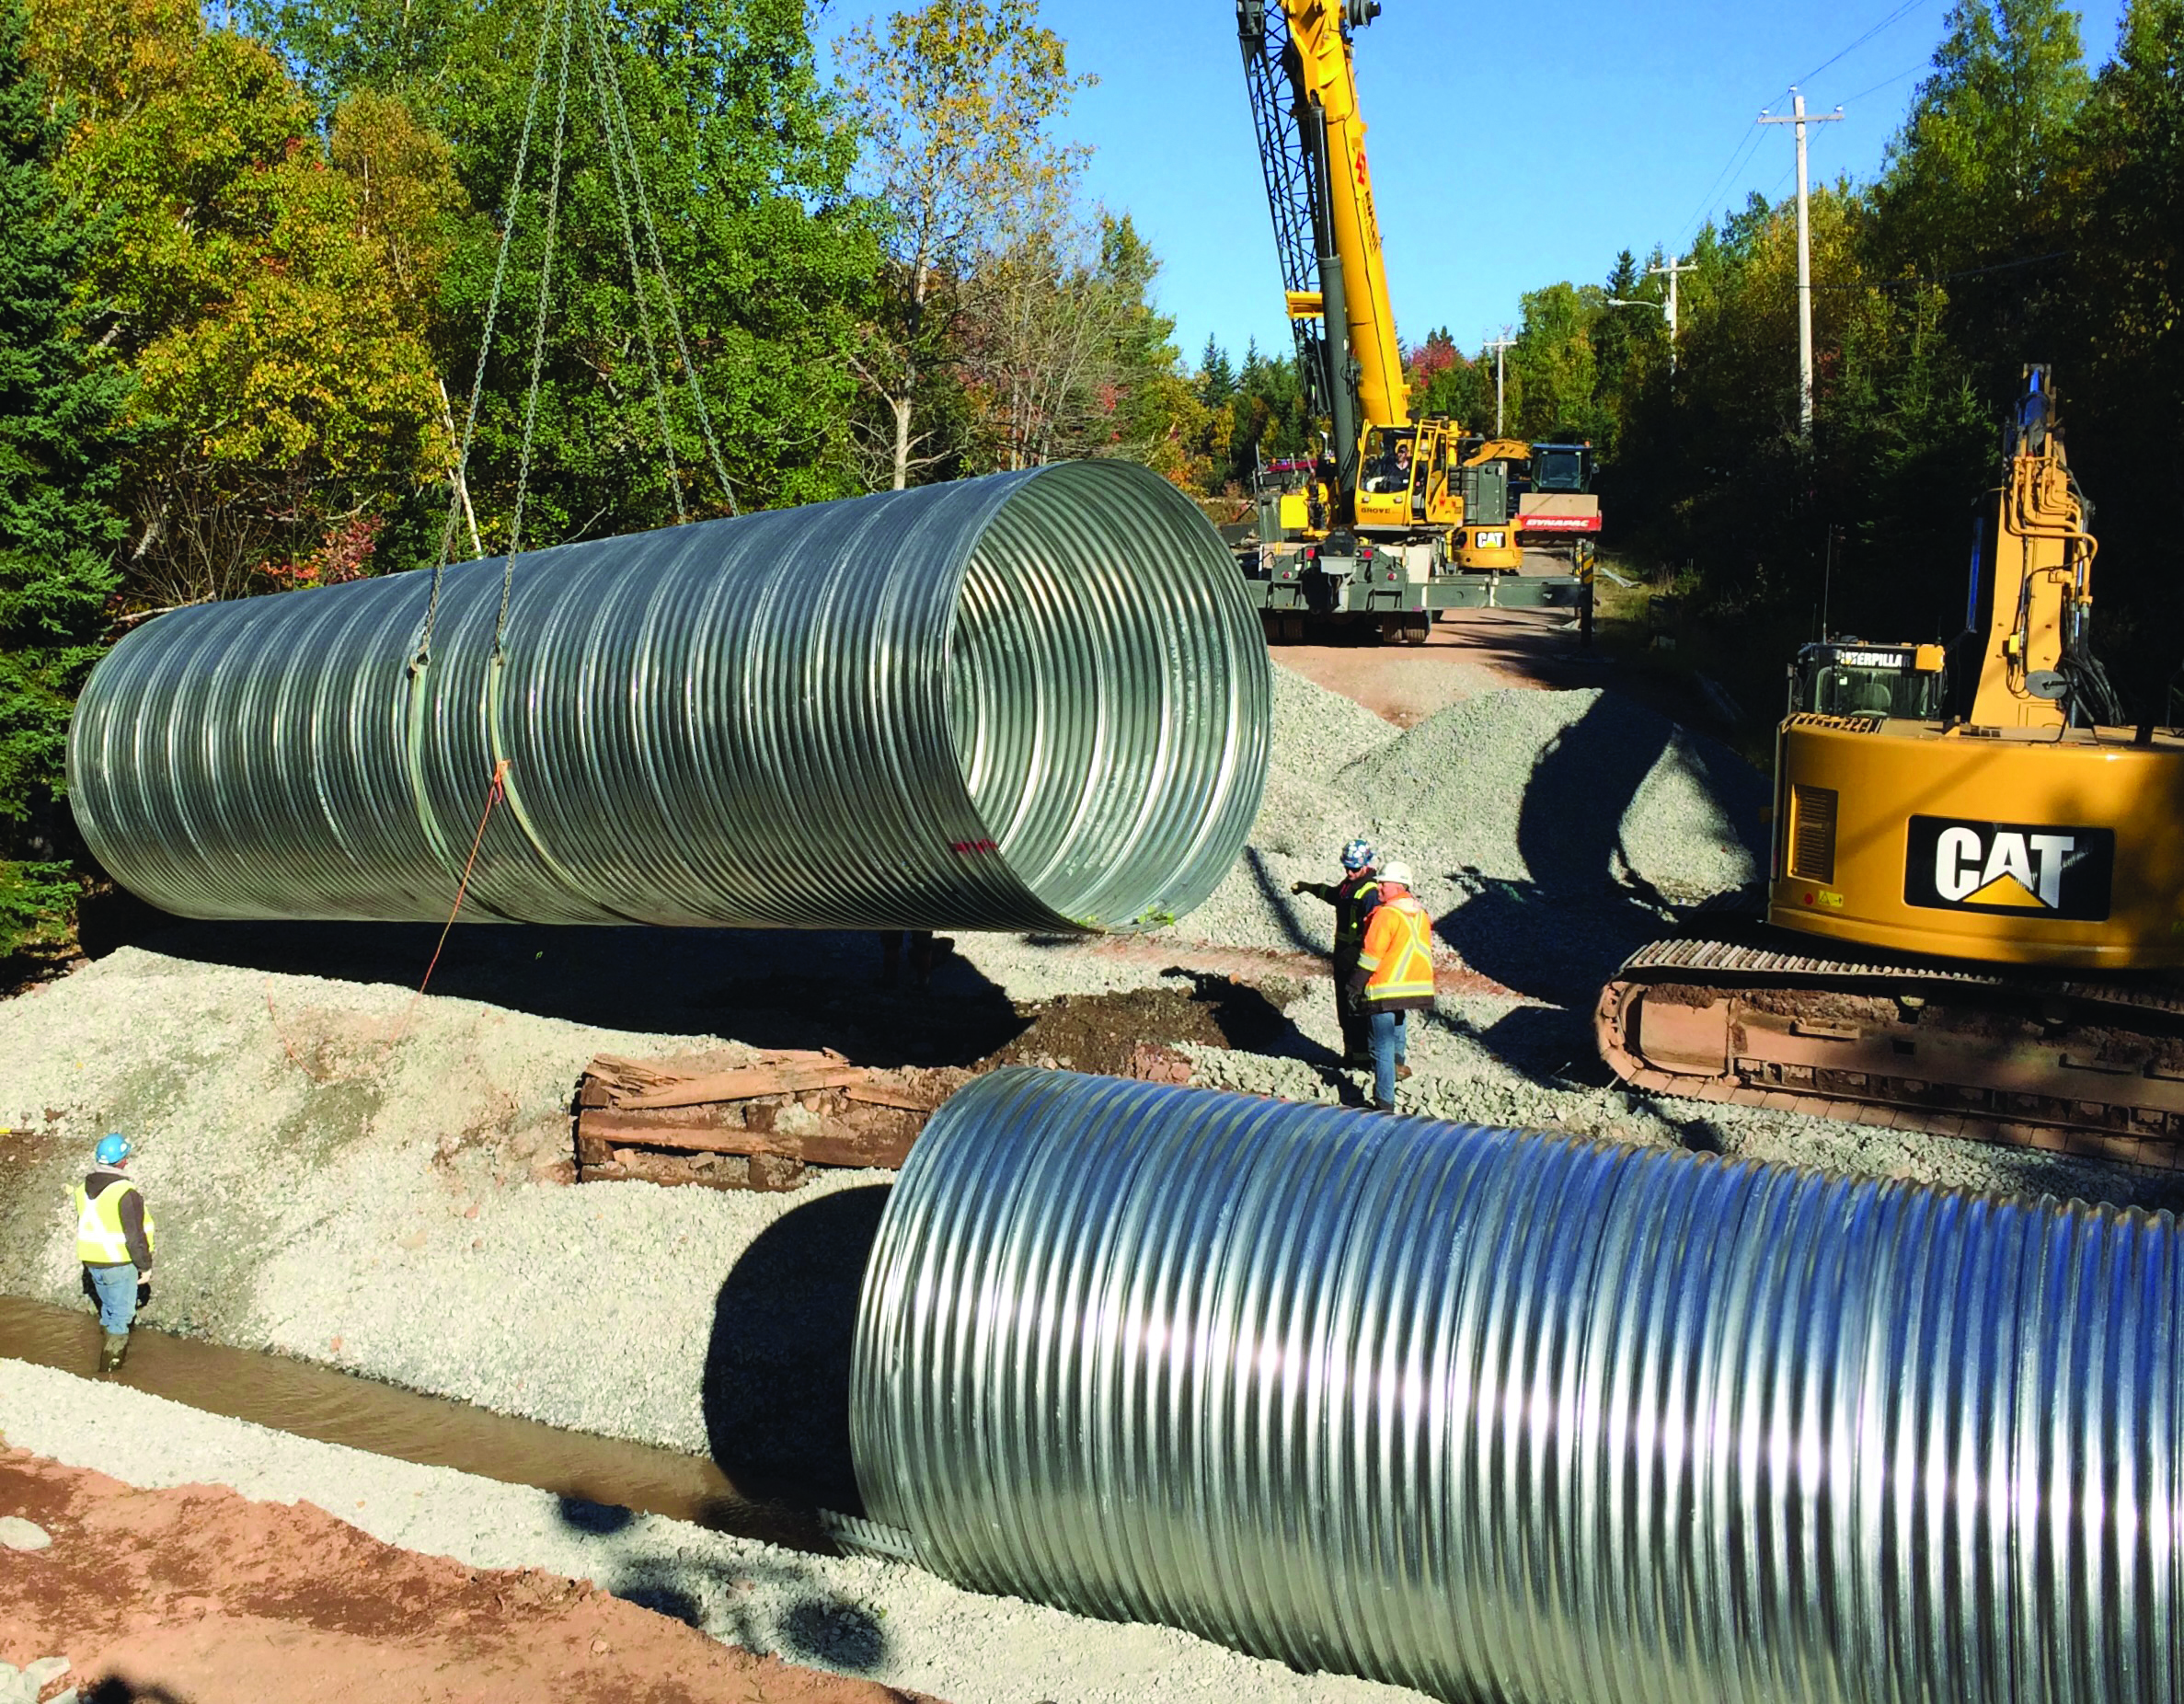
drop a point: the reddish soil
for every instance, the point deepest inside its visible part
(195, 1595)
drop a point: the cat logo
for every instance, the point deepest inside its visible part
(2009, 869)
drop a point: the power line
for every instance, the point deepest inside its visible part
(1749, 142)
(1910, 70)
(1892, 18)
(1944, 278)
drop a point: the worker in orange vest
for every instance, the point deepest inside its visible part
(1394, 976)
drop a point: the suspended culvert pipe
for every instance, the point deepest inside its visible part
(1033, 701)
(1522, 1418)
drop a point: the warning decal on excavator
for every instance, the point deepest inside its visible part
(2022, 869)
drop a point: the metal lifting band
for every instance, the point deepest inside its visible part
(1518, 1417)
(1032, 701)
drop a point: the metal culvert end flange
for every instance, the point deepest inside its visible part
(1032, 701)
(1512, 1416)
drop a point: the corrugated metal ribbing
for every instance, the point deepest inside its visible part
(1518, 1417)
(1033, 701)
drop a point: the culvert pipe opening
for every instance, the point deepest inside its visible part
(1033, 701)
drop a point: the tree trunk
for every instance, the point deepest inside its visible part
(900, 404)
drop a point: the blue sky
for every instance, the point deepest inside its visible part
(1500, 160)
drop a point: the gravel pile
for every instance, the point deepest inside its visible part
(1583, 795)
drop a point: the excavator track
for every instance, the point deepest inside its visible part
(2085, 1066)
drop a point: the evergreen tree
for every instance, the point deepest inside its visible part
(57, 531)
(1216, 377)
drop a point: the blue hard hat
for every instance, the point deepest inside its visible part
(113, 1148)
(1358, 854)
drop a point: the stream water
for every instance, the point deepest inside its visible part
(334, 1406)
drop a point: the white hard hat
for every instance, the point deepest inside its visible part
(1396, 873)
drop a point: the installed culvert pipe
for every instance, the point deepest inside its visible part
(1515, 1417)
(1033, 701)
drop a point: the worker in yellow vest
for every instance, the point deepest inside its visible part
(113, 1241)
(1394, 976)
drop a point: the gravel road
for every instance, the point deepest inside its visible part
(346, 1172)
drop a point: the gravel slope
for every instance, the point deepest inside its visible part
(1582, 799)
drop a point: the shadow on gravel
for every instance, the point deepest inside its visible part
(1561, 935)
(116, 1690)
(734, 1602)
(776, 1378)
(769, 987)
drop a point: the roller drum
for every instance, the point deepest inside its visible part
(1032, 701)
(1514, 1416)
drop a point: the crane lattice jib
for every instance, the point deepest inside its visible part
(1292, 190)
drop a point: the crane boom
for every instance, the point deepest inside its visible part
(1311, 149)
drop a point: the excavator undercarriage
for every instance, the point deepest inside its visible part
(2091, 1065)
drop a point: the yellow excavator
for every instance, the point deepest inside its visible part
(1977, 880)
(1368, 532)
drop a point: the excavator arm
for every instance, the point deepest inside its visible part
(1312, 149)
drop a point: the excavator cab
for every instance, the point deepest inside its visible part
(1849, 677)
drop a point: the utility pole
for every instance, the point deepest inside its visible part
(1674, 270)
(1798, 117)
(1501, 343)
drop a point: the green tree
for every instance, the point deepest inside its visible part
(282, 410)
(1967, 177)
(58, 528)
(743, 162)
(953, 99)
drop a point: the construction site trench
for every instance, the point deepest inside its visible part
(350, 1177)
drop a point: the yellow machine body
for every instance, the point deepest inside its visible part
(2024, 833)
(1406, 483)
(2063, 848)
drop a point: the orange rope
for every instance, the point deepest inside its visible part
(495, 791)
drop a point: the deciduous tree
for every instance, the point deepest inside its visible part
(953, 99)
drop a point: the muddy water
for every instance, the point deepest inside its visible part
(339, 1408)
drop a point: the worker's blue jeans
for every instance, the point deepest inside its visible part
(117, 1296)
(1387, 1054)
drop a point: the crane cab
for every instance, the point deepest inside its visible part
(1404, 486)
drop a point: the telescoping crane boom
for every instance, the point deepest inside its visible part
(1372, 529)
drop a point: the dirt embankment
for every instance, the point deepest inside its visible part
(199, 1595)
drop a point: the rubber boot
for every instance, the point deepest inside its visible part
(113, 1349)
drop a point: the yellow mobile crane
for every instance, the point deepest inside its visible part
(1978, 872)
(1369, 532)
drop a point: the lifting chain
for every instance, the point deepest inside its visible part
(634, 207)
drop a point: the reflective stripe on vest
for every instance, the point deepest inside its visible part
(1400, 942)
(100, 1238)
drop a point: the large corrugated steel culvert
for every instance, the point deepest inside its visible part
(1515, 1417)
(1032, 701)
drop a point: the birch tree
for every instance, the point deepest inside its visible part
(954, 99)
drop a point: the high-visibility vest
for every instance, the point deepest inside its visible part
(100, 1238)
(1399, 952)
(1353, 908)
